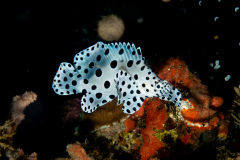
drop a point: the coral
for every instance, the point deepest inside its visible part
(130, 124)
(77, 152)
(200, 106)
(111, 132)
(223, 130)
(176, 72)
(198, 114)
(129, 141)
(169, 137)
(5, 137)
(19, 103)
(158, 128)
(156, 118)
(216, 102)
(110, 28)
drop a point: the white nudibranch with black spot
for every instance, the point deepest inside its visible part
(105, 71)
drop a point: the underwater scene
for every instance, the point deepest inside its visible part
(122, 80)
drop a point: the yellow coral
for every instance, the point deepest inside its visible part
(4, 137)
(168, 137)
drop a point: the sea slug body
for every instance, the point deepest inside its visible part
(105, 71)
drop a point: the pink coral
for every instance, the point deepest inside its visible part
(77, 152)
(19, 103)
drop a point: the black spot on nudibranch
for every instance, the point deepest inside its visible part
(136, 77)
(134, 99)
(113, 64)
(106, 52)
(130, 63)
(138, 62)
(67, 86)
(98, 58)
(85, 81)
(91, 65)
(112, 96)
(98, 72)
(74, 91)
(121, 51)
(106, 84)
(121, 73)
(74, 83)
(91, 100)
(98, 95)
(94, 87)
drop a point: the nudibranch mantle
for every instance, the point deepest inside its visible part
(105, 71)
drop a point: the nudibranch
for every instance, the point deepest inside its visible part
(103, 72)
